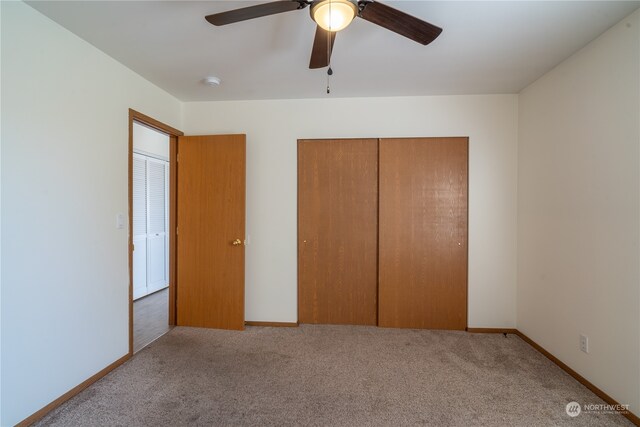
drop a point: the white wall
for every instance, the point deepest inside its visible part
(150, 141)
(272, 129)
(64, 299)
(579, 205)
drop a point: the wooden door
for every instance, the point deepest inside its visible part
(211, 227)
(337, 231)
(423, 233)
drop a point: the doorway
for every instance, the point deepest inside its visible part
(152, 207)
(210, 203)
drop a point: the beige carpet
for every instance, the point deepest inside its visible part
(333, 376)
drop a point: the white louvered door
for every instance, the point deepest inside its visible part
(139, 226)
(150, 224)
(166, 220)
(156, 223)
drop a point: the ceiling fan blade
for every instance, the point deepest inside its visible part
(322, 48)
(399, 22)
(256, 11)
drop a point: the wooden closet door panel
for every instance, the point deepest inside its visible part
(337, 231)
(211, 228)
(423, 233)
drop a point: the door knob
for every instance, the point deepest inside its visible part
(237, 242)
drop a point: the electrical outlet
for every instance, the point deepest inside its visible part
(584, 343)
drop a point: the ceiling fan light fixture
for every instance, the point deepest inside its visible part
(333, 15)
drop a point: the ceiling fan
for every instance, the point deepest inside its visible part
(335, 15)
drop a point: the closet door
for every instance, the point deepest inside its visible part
(423, 233)
(139, 226)
(337, 231)
(156, 225)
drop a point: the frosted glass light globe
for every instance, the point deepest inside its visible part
(334, 15)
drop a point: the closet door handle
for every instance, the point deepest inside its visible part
(237, 242)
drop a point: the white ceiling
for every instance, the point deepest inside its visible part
(485, 48)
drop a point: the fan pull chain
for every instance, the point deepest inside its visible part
(329, 71)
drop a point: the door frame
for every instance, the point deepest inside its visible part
(135, 116)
